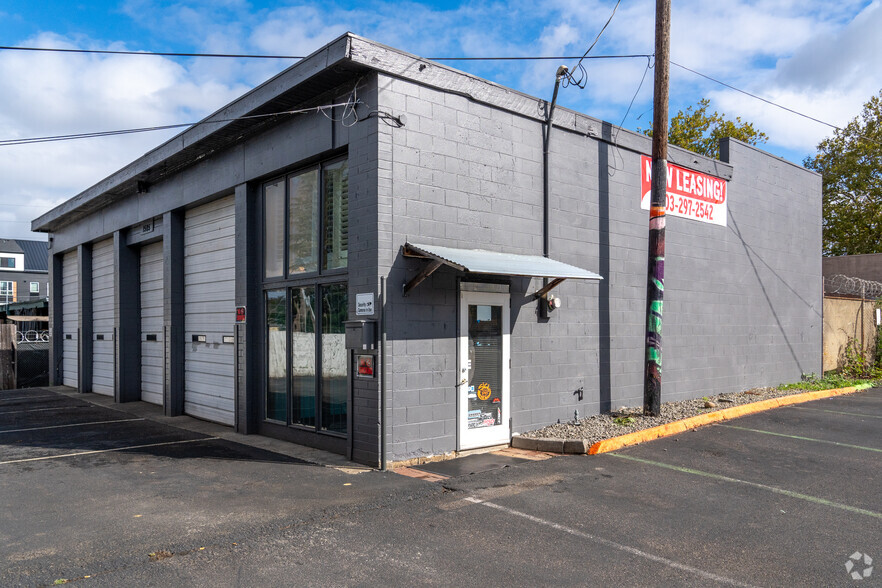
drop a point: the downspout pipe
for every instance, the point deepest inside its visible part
(384, 465)
(546, 172)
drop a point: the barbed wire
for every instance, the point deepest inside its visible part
(849, 286)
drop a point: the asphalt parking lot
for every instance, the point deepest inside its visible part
(86, 488)
(782, 498)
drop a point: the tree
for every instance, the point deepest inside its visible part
(851, 164)
(696, 130)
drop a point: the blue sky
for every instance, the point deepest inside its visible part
(814, 56)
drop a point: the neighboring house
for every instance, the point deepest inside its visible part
(367, 281)
(24, 270)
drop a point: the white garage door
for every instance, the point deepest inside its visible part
(152, 341)
(70, 315)
(102, 317)
(209, 295)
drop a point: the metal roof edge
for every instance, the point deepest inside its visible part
(420, 70)
(394, 62)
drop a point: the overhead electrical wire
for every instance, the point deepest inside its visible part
(254, 56)
(615, 138)
(348, 108)
(579, 70)
(746, 93)
(579, 79)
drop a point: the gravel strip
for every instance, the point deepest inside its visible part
(604, 426)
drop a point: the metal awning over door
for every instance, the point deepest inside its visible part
(479, 261)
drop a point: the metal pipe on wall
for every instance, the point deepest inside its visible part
(383, 464)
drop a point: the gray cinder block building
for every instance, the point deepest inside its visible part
(363, 276)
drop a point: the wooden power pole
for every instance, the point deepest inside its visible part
(655, 285)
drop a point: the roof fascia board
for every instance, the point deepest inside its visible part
(326, 57)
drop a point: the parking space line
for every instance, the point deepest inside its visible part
(608, 543)
(857, 414)
(69, 425)
(801, 438)
(776, 490)
(26, 398)
(106, 450)
(2, 412)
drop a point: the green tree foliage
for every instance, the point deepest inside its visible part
(851, 163)
(696, 130)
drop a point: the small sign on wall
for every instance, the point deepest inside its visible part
(365, 365)
(240, 314)
(364, 304)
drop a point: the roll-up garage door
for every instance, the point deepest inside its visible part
(152, 340)
(102, 317)
(70, 314)
(209, 295)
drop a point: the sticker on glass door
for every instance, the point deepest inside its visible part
(484, 332)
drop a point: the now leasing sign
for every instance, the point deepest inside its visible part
(690, 194)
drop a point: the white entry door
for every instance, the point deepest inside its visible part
(483, 390)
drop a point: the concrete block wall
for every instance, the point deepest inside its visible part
(742, 304)
(362, 140)
(464, 174)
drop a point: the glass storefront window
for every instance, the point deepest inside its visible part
(303, 220)
(306, 235)
(336, 215)
(277, 357)
(274, 229)
(303, 356)
(335, 385)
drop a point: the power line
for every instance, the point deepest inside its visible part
(254, 56)
(582, 80)
(579, 82)
(148, 53)
(746, 93)
(53, 138)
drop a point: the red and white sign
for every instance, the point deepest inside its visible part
(690, 194)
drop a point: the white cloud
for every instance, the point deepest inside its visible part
(61, 93)
(814, 56)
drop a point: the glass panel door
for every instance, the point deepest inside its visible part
(303, 321)
(484, 370)
(335, 362)
(277, 356)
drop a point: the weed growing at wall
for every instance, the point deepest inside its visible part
(830, 380)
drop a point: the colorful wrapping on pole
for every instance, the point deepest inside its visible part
(655, 290)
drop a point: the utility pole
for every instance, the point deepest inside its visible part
(655, 284)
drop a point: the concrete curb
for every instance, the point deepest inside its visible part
(580, 446)
(551, 445)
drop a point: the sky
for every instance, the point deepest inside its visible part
(817, 57)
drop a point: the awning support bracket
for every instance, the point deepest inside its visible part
(418, 279)
(547, 288)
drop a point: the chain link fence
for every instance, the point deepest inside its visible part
(851, 319)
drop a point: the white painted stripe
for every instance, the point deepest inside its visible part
(106, 450)
(857, 414)
(801, 438)
(70, 425)
(606, 542)
(62, 407)
(25, 397)
(774, 489)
